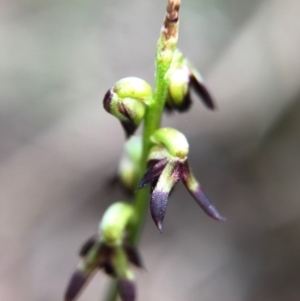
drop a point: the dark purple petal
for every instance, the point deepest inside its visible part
(201, 89)
(76, 284)
(184, 106)
(133, 255)
(86, 247)
(126, 289)
(128, 124)
(153, 173)
(203, 201)
(129, 128)
(198, 194)
(159, 198)
(107, 100)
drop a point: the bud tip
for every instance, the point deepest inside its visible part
(76, 283)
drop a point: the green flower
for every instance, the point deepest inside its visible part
(126, 100)
(167, 164)
(108, 252)
(182, 79)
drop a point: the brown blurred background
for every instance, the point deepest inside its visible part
(58, 148)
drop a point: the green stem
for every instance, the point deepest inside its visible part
(151, 124)
(165, 49)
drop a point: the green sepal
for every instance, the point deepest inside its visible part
(174, 141)
(116, 219)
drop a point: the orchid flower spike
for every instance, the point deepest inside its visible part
(168, 163)
(126, 100)
(108, 251)
(182, 77)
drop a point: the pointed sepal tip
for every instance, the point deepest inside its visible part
(126, 289)
(75, 286)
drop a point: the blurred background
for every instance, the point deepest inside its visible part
(59, 149)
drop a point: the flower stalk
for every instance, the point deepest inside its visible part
(159, 159)
(166, 47)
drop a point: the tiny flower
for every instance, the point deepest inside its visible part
(167, 164)
(182, 78)
(114, 260)
(110, 252)
(129, 163)
(126, 100)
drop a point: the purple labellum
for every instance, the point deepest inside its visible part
(86, 247)
(76, 284)
(153, 172)
(158, 207)
(162, 175)
(126, 289)
(201, 89)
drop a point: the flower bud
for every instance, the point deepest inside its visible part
(115, 221)
(174, 141)
(182, 77)
(127, 100)
(178, 90)
(129, 164)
